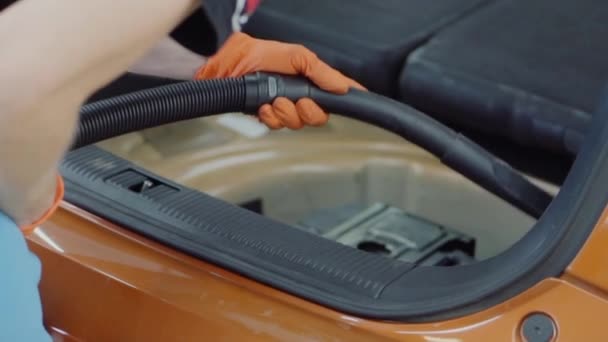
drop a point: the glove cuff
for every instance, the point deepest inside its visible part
(59, 192)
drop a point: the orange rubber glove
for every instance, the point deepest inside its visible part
(242, 54)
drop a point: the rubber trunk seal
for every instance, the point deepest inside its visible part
(333, 275)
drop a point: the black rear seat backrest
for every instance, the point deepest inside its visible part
(366, 39)
(530, 70)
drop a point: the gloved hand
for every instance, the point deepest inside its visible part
(242, 54)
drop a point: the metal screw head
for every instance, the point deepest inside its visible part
(146, 185)
(538, 327)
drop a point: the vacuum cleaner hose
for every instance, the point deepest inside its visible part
(153, 107)
(183, 101)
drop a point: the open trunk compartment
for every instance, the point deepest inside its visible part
(326, 272)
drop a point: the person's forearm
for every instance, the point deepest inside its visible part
(57, 42)
(54, 54)
(31, 144)
(169, 59)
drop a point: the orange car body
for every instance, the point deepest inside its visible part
(103, 283)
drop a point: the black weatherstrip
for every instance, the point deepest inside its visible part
(326, 272)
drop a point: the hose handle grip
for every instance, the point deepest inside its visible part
(264, 88)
